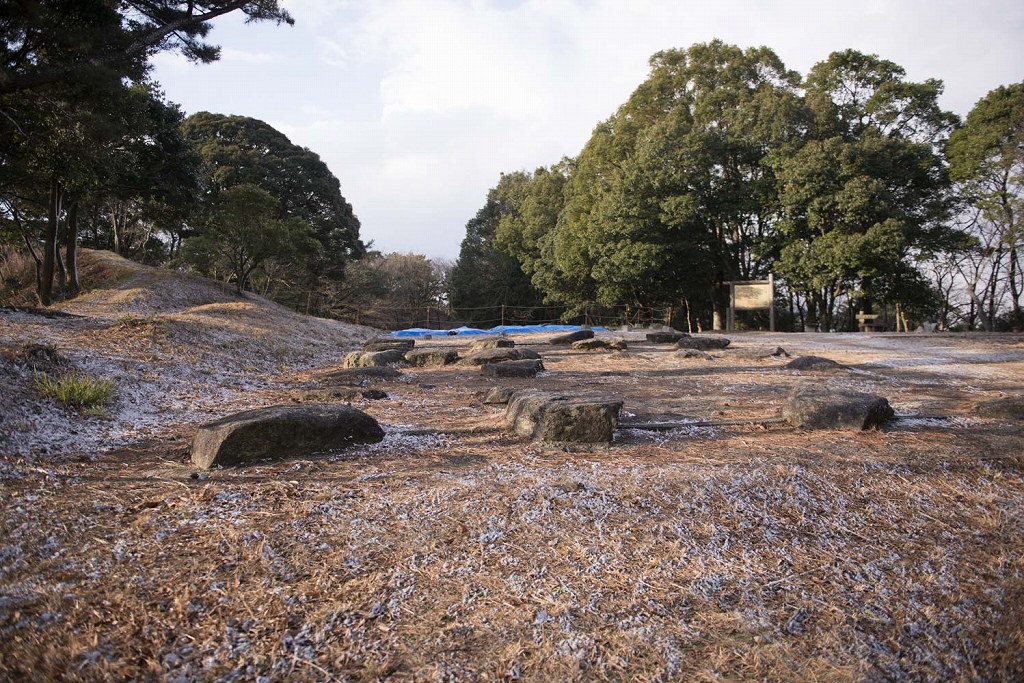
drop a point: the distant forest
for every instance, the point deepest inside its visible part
(850, 185)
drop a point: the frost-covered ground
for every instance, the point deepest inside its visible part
(179, 350)
(726, 546)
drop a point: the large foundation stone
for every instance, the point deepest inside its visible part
(570, 337)
(811, 407)
(281, 432)
(368, 359)
(431, 357)
(543, 416)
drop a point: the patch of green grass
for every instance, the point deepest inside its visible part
(129, 321)
(76, 390)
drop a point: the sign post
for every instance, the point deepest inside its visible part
(751, 295)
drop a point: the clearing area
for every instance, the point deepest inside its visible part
(728, 547)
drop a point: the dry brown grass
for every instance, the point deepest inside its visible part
(742, 552)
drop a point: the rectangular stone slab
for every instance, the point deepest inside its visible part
(281, 432)
(542, 416)
(812, 407)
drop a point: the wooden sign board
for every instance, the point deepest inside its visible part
(752, 297)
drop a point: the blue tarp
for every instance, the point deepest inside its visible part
(506, 329)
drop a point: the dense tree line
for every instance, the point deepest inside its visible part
(92, 153)
(851, 185)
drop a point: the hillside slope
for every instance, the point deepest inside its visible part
(179, 349)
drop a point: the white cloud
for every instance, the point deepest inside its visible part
(230, 55)
(418, 105)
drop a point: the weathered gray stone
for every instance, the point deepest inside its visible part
(811, 407)
(490, 343)
(618, 345)
(569, 338)
(344, 393)
(1009, 408)
(367, 359)
(665, 337)
(281, 432)
(558, 417)
(702, 343)
(498, 356)
(431, 357)
(695, 353)
(499, 396)
(591, 345)
(512, 368)
(359, 375)
(389, 343)
(760, 354)
(813, 363)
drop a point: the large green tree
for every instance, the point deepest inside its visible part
(486, 275)
(671, 197)
(243, 230)
(53, 42)
(987, 159)
(241, 150)
(395, 290)
(150, 181)
(66, 68)
(868, 191)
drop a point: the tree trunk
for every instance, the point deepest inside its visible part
(719, 308)
(115, 225)
(50, 244)
(1014, 288)
(31, 248)
(71, 248)
(62, 273)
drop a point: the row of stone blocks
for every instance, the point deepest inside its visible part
(267, 433)
(301, 430)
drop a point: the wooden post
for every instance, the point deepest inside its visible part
(730, 317)
(428, 316)
(771, 302)
(503, 315)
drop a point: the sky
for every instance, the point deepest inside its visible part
(418, 106)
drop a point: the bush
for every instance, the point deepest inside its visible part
(76, 390)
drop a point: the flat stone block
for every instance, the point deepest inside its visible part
(490, 343)
(1009, 408)
(281, 432)
(665, 337)
(702, 343)
(561, 418)
(569, 338)
(811, 407)
(344, 393)
(813, 364)
(512, 368)
(499, 396)
(366, 359)
(389, 344)
(592, 345)
(499, 356)
(431, 357)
